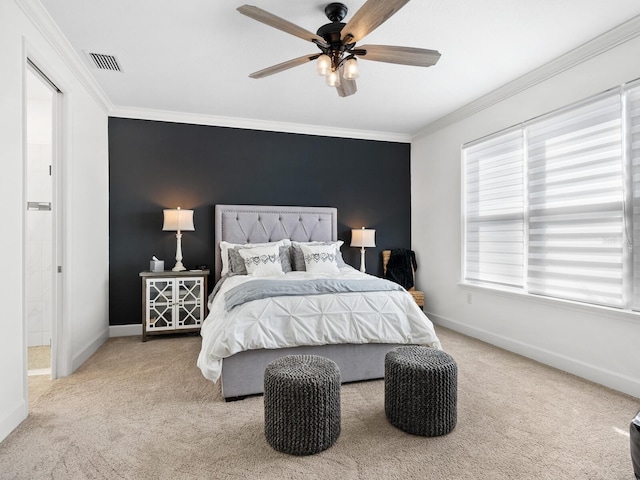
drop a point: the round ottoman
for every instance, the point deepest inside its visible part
(420, 390)
(302, 404)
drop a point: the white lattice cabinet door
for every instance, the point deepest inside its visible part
(160, 304)
(173, 301)
(189, 302)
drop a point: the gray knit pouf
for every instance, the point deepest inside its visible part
(420, 390)
(302, 404)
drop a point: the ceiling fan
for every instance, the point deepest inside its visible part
(337, 59)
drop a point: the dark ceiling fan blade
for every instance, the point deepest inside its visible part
(346, 87)
(370, 16)
(279, 23)
(419, 57)
(284, 66)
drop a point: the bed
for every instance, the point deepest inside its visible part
(354, 328)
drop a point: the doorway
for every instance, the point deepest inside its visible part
(40, 245)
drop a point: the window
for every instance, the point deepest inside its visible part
(551, 205)
(495, 210)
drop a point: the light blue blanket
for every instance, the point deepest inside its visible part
(259, 289)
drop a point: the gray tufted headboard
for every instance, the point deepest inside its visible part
(259, 224)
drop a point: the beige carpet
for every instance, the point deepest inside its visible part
(39, 357)
(143, 411)
(39, 365)
(38, 385)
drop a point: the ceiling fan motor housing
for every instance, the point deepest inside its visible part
(331, 33)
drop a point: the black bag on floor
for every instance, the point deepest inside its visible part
(634, 431)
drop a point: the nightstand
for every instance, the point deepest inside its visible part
(173, 302)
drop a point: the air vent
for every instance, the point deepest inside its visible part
(105, 62)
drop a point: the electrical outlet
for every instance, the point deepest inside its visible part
(469, 298)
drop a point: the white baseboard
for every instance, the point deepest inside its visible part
(89, 350)
(584, 370)
(125, 330)
(9, 423)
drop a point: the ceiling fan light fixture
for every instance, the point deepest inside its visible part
(333, 78)
(323, 67)
(351, 71)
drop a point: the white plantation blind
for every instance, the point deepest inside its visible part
(565, 190)
(575, 197)
(494, 210)
(633, 140)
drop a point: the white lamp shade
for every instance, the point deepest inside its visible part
(363, 237)
(323, 67)
(333, 78)
(351, 71)
(176, 220)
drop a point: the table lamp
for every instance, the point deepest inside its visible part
(363, 238)
(178, 220)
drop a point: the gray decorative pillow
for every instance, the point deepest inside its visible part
(297, 256)
(238, 267)
(285, 259)
(236, 262)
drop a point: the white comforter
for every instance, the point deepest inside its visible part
(278, 322)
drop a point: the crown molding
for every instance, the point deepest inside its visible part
(608, 40)
(40, 18)
(252, 124)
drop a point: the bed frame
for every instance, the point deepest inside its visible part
(243, 373)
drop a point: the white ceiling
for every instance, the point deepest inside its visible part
(194, 56)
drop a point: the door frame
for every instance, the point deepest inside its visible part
(60, 333)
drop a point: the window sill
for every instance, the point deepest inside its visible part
(627, 315)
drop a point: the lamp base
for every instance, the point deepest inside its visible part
(179, 267)
(362, 267)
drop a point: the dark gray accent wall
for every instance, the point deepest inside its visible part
(156, 165)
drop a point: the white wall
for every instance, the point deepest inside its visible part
(85, 192)
(597, 344)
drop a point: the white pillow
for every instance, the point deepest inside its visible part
(262, 261)
(297, 256)
(320, 258)
(225, 246)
